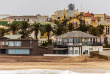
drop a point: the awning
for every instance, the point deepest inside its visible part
(60, 48)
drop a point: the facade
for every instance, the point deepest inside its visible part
(76, 43)
(21, 47)
(29, 19)
(108, 26)
(65, 14)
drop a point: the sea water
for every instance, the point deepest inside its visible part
(46, 71)
(37, 71)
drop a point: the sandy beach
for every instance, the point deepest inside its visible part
(76, 64)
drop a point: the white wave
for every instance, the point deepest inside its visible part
(37, 71)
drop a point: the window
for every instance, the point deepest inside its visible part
(58, 17)
(95, 23)
(64, 16)
(11, 43)
(14, 19)
(6, 43)
(28, 20)
(70, 40)
(76, 24)
(11, 51)
(70, 17)
(42, 34)
(87, 22)
(18, 51)
(31, 43)
(76, 51)
(25, 51)
(76, 40)
(18, 43)
(86, 51)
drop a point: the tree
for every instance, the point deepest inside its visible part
(82, 27)
(105, 39)
(36, 27)
(70, 27)
(24, 29)
(3, 31)
(92, 30)
(13, 27)
(48, 28)
(59, 30)
(71, 7)
(100, 29)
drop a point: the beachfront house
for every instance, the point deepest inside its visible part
(14, 45)
(76, 43)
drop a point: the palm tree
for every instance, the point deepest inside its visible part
(100, 29)
(83, 28)
(70, 27)
(13, 27)
(36, 27)
(24, 29)
(48, 28)
(3, 31)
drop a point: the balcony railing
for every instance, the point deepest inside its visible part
(60, 43)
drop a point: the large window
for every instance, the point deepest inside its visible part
(18, 43)
(11, 43)
(11, 51)
(18, 51)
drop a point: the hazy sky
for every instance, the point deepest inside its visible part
(48, 7)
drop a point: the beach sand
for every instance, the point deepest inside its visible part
(35, 62)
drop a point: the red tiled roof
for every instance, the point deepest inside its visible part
(88, 14)
(108, 18)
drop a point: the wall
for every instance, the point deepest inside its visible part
(95, 48)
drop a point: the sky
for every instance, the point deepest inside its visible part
(48, 7)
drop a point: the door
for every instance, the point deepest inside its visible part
(76, 51)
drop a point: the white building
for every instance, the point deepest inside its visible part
(29, 19)
(76, 43)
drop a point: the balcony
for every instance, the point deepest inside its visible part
(66, 44)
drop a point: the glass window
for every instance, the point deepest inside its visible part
(25, 51)
(76, 51)
(86, 51)
(42, 34)
(70, 40)
(11, 43)
(31, 43)
(11, 51)
(76, 40)
(6, 43)
(18, 51)
(18, 43)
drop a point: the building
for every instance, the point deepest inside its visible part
(29, 19)
(65, 14)
(14, 45)
(108, 26)
(76, 43)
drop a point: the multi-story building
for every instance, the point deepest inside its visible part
(76, 43)
(29, 19)
(65, 14)
(108, 26)
(14, 45)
